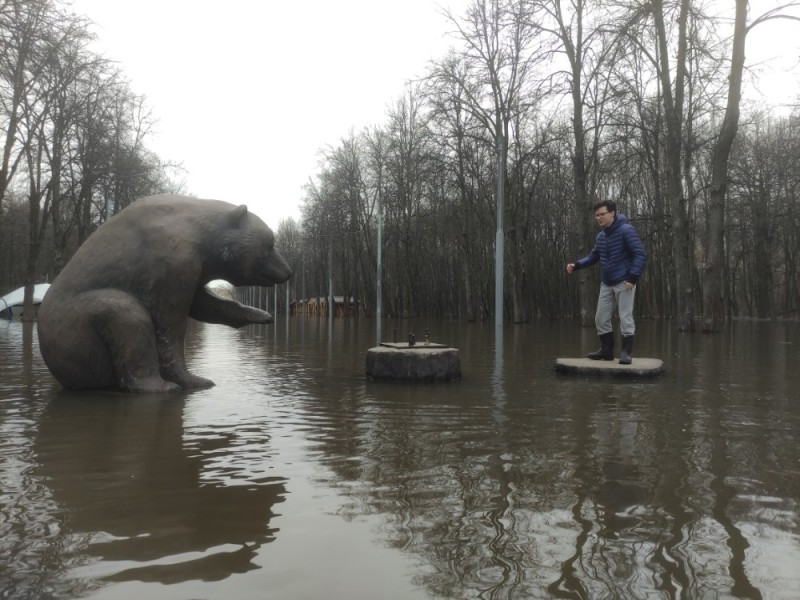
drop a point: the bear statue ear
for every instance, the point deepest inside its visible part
(238, 214)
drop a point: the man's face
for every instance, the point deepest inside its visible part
(604, 217)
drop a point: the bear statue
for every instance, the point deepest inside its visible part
(116, 316)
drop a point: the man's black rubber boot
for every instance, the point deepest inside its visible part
(626, 355)
(606, 351)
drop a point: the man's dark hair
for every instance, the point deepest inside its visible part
(609, 205)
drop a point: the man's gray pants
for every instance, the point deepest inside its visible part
(610, 296)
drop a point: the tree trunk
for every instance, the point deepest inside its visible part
(36, 230)
(682, 261)
(713, 315)
(518, 305)
(582, 201)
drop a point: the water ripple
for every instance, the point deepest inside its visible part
(295, 472)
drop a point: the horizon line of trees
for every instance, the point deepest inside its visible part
(550, 106)
(489, 164)
(74, 140)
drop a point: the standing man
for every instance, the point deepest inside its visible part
(622, 258)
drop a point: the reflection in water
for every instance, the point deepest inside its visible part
(126, 481)
(505, 552)
(123, 468)
(511, 483)
(575, 489)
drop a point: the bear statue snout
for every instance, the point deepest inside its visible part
(277, 270)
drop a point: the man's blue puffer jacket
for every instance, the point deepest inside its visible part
(620, 252)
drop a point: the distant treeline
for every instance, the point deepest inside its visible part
(74, 140)
(541, 108)
(570, 107)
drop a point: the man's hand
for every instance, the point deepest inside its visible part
(570, 267)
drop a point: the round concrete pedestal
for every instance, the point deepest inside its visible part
(401, 362)
(640, 367)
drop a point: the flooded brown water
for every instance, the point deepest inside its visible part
(296, 478)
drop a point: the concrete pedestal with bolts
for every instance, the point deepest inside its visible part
(420, 362)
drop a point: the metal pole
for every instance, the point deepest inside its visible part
(379, 284)
(305, 297)
(499, 243)
(330, 282)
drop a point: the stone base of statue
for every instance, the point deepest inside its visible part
(639, 367)
(421, 362)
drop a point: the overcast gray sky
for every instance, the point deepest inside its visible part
(247, 92)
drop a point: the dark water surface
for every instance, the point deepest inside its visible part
(295, 478)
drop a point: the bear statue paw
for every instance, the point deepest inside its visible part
(195, 382)
(150, 385)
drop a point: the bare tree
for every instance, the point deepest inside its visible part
(672, 96)
(491, 76)
(59, 93)
(407, 171)
(578, 35)
(289, 240)
(46, 112)
(22, 24)
(434, 167)
(462, 143)
(712, 280)
(345, 180)
(38, 198)
(713, 311)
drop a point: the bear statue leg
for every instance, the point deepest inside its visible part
(101, 339)
(172, 359)
(126, 328)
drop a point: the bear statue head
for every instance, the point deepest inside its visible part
(248, 254)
